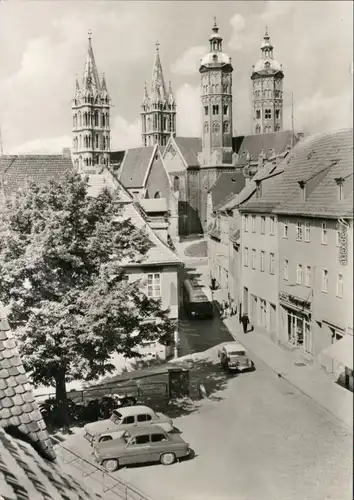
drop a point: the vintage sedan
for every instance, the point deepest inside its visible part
(233, 357)
(141, 445)
(124, 419)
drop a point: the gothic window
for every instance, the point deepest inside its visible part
(75, 121)
(216, 127)
(96, 144)
(176, 183)
(258, 129)
(165, 123)
(268, 113)
(213, 89)
(80, 141)
(206, 110)
(149, 124)
(226, 127)
(80, 122)
(277, 128)
(277, 113)
(206, 89)
(225, 88)
(107, 119)
(215, 109)
(206, 127)
(217, 88)
(103, 118)
(258, 113)
(107, 142)
(104, 142)
(226, 108)
(155, 122)
(89, 141)
(96, 119)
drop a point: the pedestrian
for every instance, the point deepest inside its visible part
(245, 322)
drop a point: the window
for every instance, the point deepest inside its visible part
(286, 270)
(262, 260)
(337, 235)
(324, 280)
(307, 232)
(215, 109)
(226, 127)
(308, 276)
(298, 231)
(285, 229)
(129, 420)
(143, 417)
(324, 233)
(263, 223)
(154, 285)
(142, 439)
(277, 113)
(268, 113)
(272, 264)
(272, 225)
(253, 223)
(157, 438)
(245, 223)
(299, 274)
(258, 113)
(226, 108)
(245, 256)
(258, 129)
(206, 109)
(253, 258)
(340, 285)
(176, 183)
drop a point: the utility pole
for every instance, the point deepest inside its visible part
(292, 120)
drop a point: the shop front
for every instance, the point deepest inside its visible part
(296, 320)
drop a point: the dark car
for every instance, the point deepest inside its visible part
(233, 357)
(141, 445)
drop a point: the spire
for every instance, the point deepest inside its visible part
(266, 47)
(215, 38)
(90, 79)
(158, 89)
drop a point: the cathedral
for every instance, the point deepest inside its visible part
(182, 169)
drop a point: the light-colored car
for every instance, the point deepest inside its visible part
(233, 357)
(141, 445)
(124, 419)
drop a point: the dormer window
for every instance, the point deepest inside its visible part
(302, 185)
(339, 182)
(258, 189)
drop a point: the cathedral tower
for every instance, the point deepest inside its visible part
(216, 96)
(267, 77)
(90, 110)
(158, 110)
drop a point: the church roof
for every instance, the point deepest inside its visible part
(135, 166)
(253, 145)
(317, 161)
(189, 147)
(225, 187)
(18, 170)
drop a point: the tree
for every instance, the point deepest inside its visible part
(62, 274)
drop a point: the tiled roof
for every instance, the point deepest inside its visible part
(190, 147)
(317, 161)
(19, 170)
(18, 408)
(255, 144)
(154, 205)
(135, 166)
(225, 187)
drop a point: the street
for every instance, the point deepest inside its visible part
(256, 438)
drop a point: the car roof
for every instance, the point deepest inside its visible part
(132, 410)
(145, 429)
(234, 346)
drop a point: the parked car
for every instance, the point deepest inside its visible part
(125, 419)
(233, 357)
(141, 445)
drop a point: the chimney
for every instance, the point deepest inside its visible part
(66, 153)
(339, 182)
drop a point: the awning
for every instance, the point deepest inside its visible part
(341, 351)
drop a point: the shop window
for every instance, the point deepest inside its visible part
(340, 285)
(285, 229)
(298, 231)
(286, 270)
(307, 232)
(308, 276)
(154, 285)
(324, 280)
(245, 256)
(324, 233)
(299, 274)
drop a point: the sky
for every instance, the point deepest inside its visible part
(43, 47)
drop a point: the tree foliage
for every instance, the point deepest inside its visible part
(62, 275)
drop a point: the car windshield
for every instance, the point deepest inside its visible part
(116, 417)
(237, 353)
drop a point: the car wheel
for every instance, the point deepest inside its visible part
(168, 458)
(104, 438)
(111, 465)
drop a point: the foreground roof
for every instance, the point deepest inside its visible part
(19, 170)
(316, 162)
(225, 187)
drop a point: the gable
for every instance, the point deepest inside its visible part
(157, 180)
(173, 158)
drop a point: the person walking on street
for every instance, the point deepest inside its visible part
(245, 322)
